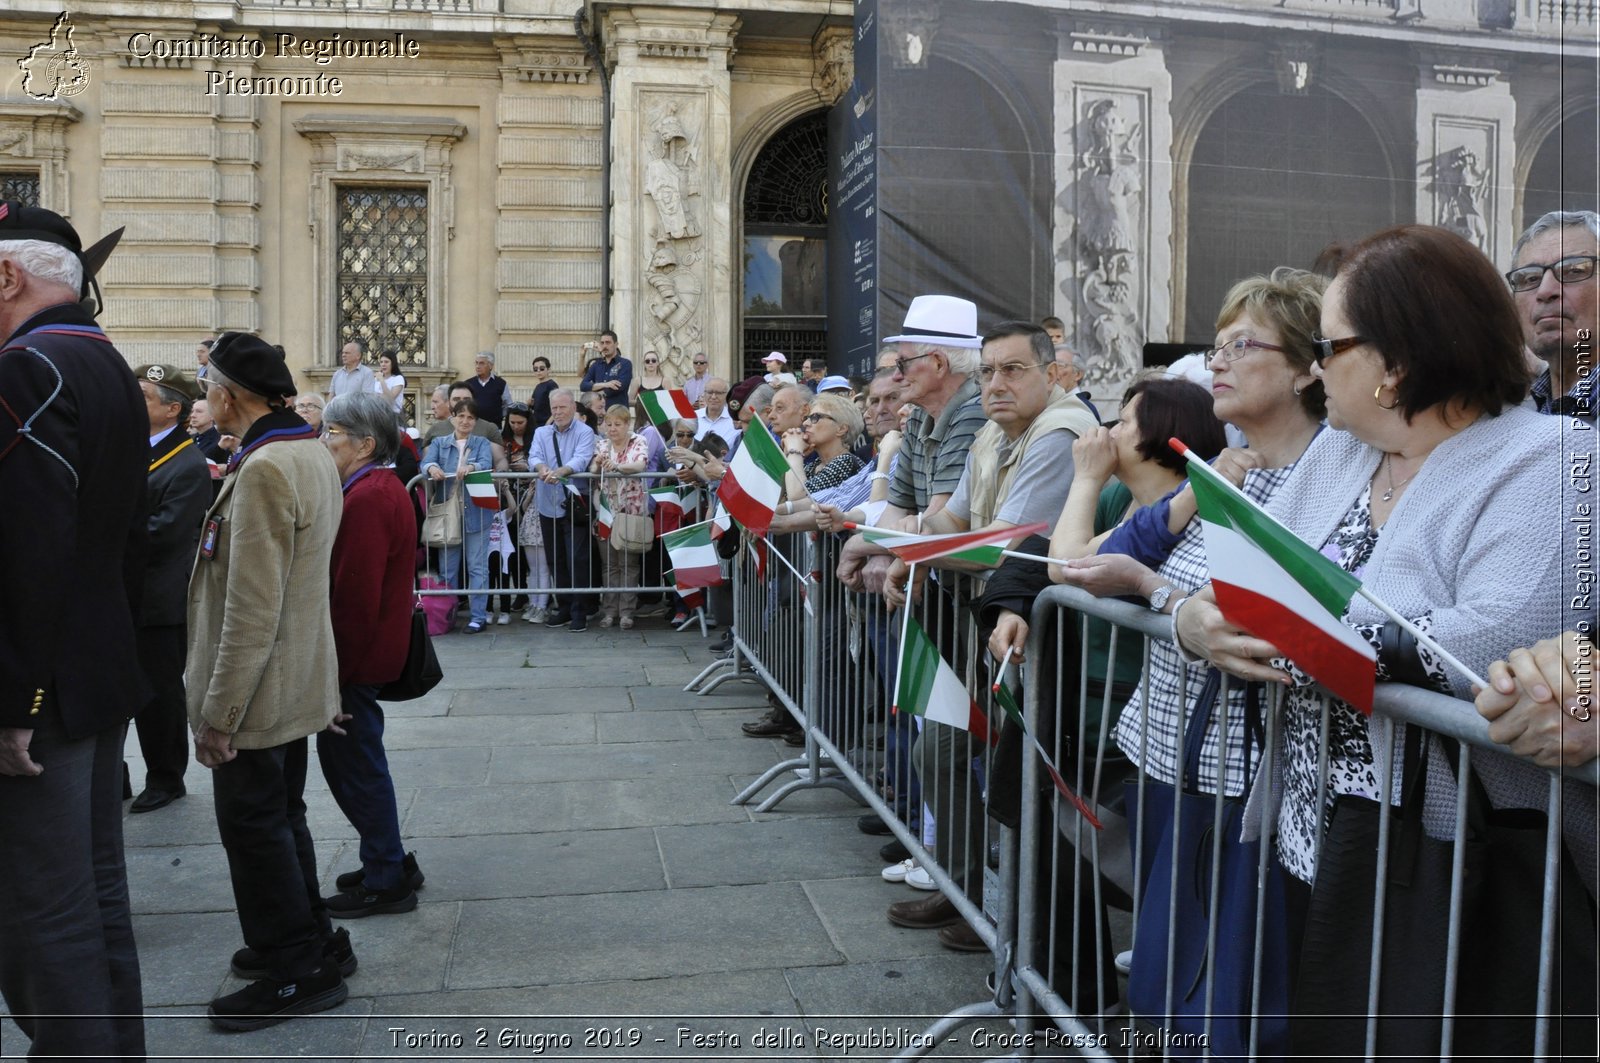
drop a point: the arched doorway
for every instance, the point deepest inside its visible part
(1563, 175)
(785, 246)
(1274, 179)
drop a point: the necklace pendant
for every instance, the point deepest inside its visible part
(1388, 494)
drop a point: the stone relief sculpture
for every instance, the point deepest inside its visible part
(673, 283)
(1104, 255)
(1459, 188)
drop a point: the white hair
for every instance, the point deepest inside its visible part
(47, 261)
(963, 360)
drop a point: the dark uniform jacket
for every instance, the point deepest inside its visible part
(74, 434)
(177, 495)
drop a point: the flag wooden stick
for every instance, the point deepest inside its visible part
(905, 629)
(1034, 557)
(775, 552)
(1421, 636)
(1000, 676)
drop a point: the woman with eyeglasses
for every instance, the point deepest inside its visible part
(827, 432)
(1439, 491)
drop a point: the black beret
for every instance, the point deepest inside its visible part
(19, 222)
(253, 364)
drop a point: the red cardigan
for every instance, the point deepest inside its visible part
(374, 559)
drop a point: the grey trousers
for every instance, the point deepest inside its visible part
(69, 970)
(943, 758)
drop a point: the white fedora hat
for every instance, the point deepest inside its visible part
(941, 319)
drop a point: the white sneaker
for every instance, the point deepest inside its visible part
(505, 618)
(919, 879)
(898, 872)
(1124, 961)
(537, 616)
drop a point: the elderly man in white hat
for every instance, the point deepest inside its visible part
(774, 363)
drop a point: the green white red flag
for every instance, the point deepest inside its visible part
(927, 686)
(753, 485)
(603, 518)
(1008, 702)
(664, 404)
(694, 558)
(482, 491)
(1279, 588)
(982, 547)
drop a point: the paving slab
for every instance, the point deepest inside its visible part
(642, 935)
(542, 700)
(539, 865)
(855, 911)
(728, 696)
(185, 1033)
(585, 804)
(626, 761)
(173, 971)
(728, 854)
(619, 728)
(902, 997)
(437, 732)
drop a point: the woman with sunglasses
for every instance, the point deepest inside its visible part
(539, 401)
(1439, 491)
(652, 376)
(827, 432)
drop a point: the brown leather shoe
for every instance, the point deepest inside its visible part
(962, 938)
(777, 722)
(927, 914)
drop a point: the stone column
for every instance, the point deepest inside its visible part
(1465, 122)
(1112, 222)
(671, 222)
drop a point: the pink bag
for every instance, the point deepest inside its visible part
(440, 608)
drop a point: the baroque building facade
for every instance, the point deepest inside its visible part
(448, 176)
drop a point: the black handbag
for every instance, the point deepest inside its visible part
(422, 672)
(1498, 958)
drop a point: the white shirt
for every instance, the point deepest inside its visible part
(723, 425)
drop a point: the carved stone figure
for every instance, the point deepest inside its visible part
(1107, 213)
(1459, 186)
(669, 175)
(674, 302)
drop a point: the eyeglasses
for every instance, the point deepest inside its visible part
(1569, 270)
(901, 363)
(516, 407)
(651, 361)
(683, 435)
(308, 405)
(329, 431)
(709, 394)
(1233, 350)
(1324, 349)
(813, 418)
(699, 361)
(1009, 371)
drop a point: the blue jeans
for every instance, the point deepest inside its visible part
(357, 770)
(477, 554)
(884, 638)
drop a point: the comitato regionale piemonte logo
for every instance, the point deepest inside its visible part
(55, 70)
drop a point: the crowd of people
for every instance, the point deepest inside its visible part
(1413, 416)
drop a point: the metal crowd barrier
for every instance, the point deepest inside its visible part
(515, 580)
(828, 655)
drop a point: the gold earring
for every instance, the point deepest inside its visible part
(1379, 391)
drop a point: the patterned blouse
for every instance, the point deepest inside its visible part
(1350, 761)
(820, 475)
(1186, 569)
(627, 493)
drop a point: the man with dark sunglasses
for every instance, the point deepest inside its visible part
(1553, 282)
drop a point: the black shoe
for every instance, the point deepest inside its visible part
(351, 881)
(894, 851)
(872, 823)
(248, 964)
(372, 902)
(555, 619)
(267, 1002)
(794, 738)
(580, 624)
(151, 799)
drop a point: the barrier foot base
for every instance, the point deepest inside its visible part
(766, 777)
(692, 686)
(830, 782)
(935, 1035)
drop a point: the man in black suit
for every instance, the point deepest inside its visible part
(176, 499)
(73, 449)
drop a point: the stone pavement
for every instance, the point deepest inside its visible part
(587, 877)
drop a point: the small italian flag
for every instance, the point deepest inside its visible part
(663, 405)
(602, 515)
(1279, 588)
(980, 547)
(753, 485)
(928, 687)
(674, 504)
(481, 489)
(1008, 702)
(694, 559)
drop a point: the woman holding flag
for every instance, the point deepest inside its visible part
(620, 450)
(447, 462)
(1439, 493)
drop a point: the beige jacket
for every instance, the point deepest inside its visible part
(989, 476)
(262, 664)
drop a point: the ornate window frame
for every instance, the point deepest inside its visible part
(368, 149)
(36, 134)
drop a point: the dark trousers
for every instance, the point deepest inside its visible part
(357, 770)
(568, 550)
(69, 970)
(163, 724)
(261, 815)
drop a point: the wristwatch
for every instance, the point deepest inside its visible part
(1158, 600)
